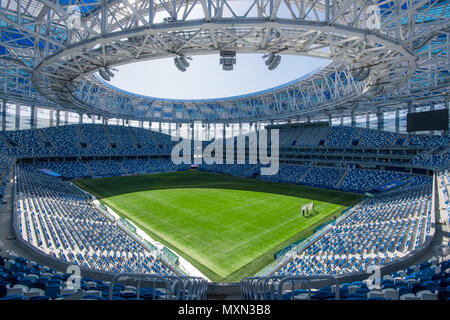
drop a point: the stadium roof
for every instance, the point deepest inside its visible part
(403, 55)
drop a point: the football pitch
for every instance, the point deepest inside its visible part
(227, 227)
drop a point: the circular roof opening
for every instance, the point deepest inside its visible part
(205, 79)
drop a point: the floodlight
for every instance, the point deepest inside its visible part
(273, 60)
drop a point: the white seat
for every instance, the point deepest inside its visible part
(34, 292)
(410, 282)
(17, 289)
(375, 294)
(427, 295)
(301, 296)
(390, 293)
(91, 284)
(409, 296)
(398, 279)
(65, 291)
(130, 288)
(92, 293)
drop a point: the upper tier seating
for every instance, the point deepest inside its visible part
(84, 140)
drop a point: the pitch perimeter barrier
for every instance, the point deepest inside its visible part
(172, 257)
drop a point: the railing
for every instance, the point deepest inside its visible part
(284, 288)
(164, 287)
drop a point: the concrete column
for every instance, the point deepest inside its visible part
(447, 106)
(397, 121)
(353, 122)
(57, 117)
(3, 114)
(380, 119)
(367, 120)
(80, 120)
(50, 117)
(17, 118)
(33, 117)
(330, 120)
(66, 118)
(432, 109)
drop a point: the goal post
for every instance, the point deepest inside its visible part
(306, 208)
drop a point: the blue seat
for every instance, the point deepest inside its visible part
(26, 282)
(13, 297)
(3, 288)
(93, 297)
(39, 298)
(128, 295)
(52, 290)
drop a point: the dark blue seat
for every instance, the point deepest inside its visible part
(3, 288)
(26, 282)
(40, 283)
(128, 295)
(13, 297)
(416, 287)
(403, 289)
(443, 293)
(430, 285)
(39, 298)
(93, 297)
(52, 290)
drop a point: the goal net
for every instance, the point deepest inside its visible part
(306, 208)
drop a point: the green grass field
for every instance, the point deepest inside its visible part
(227, 227)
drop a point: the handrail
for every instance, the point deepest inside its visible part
(308, 279)
(175, 287)
(139, 277)
(263, 288)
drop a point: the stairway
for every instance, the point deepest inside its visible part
(43, 140)
(108, 136)
(304, 175)
(133, 137)
(90, 169)
(341, 179)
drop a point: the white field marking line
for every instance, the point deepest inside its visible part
(171, 240)
(239, 244)
(237, 222)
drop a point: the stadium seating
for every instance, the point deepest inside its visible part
(55, 219)
(358, 180)
(384, 229)
(429, 280)
(84, 140)
(23, 279)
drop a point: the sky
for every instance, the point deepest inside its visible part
(205, 78)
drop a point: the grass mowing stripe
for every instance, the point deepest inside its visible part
(227, 227)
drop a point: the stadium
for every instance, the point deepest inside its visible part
(332, 186)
